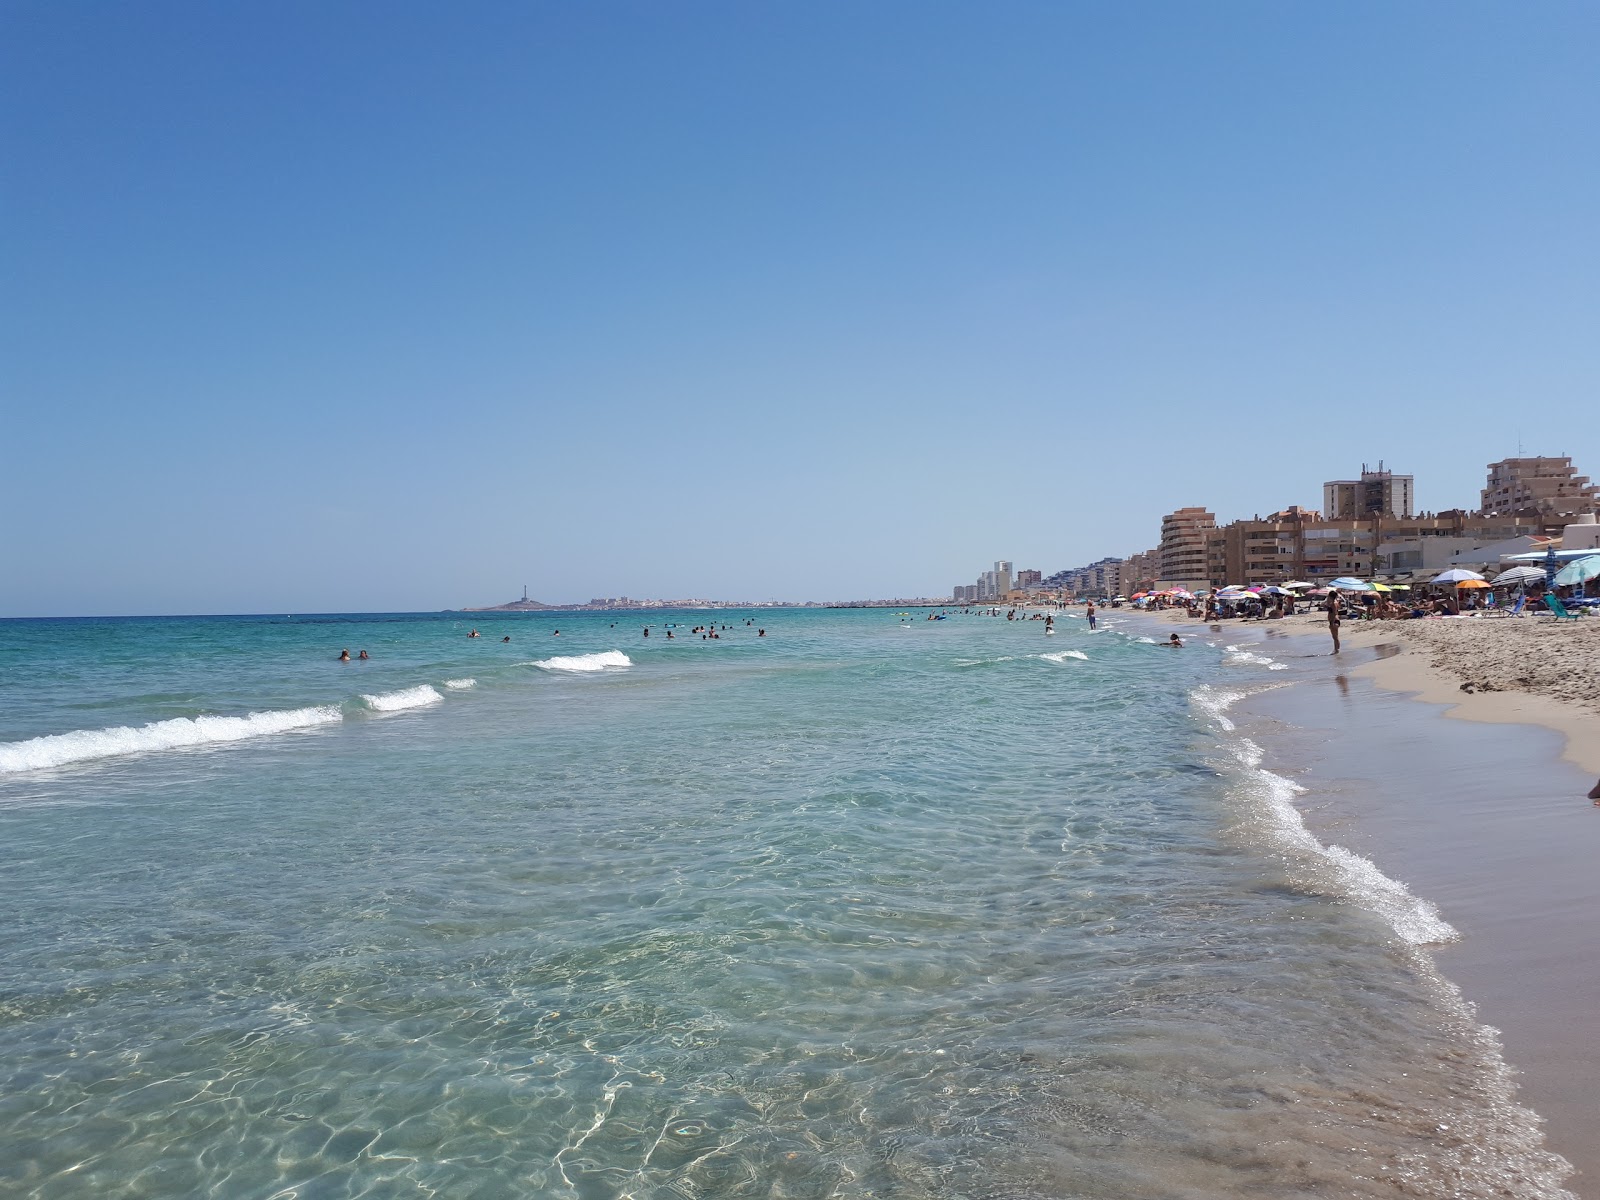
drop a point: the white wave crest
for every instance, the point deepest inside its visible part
(606, 659)
(1063, 655)
(414, 697)
(1246, 658)
(80, 745)
(1353, 876)
(460, 684)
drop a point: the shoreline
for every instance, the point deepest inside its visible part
(1410, 670)
(1481, 816)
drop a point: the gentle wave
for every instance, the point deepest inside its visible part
(1063, 655)
(414, 697)
(585, 662)
(460, 684)
(81, 745)
(1356, 877)
(1238, 656)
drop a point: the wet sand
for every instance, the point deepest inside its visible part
(1480, 816)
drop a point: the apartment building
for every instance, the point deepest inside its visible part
(1547, 487)
(1140, 571)
(1184, 554)
(1377, 493)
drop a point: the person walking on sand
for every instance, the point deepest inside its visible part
(1333, 617)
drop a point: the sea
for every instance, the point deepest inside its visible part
(866, 905)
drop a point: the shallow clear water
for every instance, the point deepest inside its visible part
(866, 906)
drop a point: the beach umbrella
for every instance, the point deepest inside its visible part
(1349, 583)
(1516, 575)
(1381, 587)
(1318, 592)
(1457, 575)
(1579, 571)
(1275, 590)
(1474, 583)
(1298, 583)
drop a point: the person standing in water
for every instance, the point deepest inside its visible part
(1333, 617)
(1090, 614)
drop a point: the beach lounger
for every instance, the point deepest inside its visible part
(1553, 603)
(1514, 611)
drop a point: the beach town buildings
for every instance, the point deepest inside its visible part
(1102, 579)
(992, 585)
(1369, 528)
(1542, 487)
(1377, 493)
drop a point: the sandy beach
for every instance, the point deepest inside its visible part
(1482, 815)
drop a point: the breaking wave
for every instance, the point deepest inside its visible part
(605, 660)
(1063, 655)
(415, 697)
(460, 684)
(82, 745)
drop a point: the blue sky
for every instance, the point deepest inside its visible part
(348, 307)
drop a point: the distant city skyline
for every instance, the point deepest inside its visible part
(341, 309)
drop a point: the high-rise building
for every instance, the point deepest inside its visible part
(1547, 487)
(1025, 578)
(1002, 577)
(1183, 546)
(1377, 493)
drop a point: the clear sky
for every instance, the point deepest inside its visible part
(337, 306)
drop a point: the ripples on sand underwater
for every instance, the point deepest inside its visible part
(847, 910)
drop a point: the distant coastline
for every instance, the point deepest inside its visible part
(624, 604)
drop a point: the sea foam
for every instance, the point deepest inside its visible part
(81, 745)
(1063, 655)
(414, 697)
(460, 684)
(586, 662)
(1354, 877)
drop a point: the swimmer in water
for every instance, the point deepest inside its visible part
(507, 638)
(474, 633)
(669, 635)
(1174, 641)
(344, 656)
(363, 654)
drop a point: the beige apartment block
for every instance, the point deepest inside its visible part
(1185, 559)
(1139, 571)
(1379, 493)
(1546, 487)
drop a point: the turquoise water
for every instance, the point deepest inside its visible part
(869, 906)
